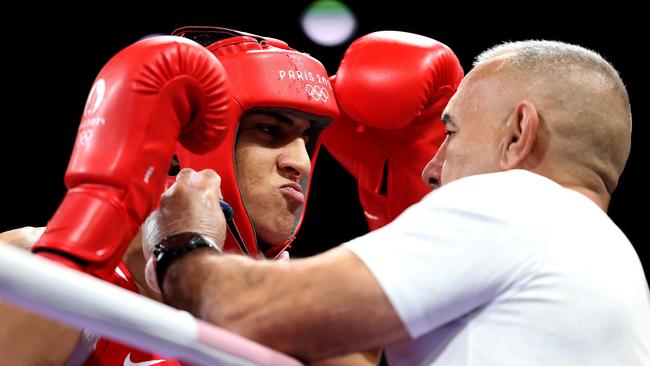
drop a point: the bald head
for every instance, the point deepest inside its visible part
(581, 101)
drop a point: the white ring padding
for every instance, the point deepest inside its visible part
(83, 301)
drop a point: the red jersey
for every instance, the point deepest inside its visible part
(110, 353)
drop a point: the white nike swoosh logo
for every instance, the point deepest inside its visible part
(128, 362)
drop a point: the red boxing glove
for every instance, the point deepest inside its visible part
(391, 88)
(147, 97)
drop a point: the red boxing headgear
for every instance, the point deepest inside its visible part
(265, 74)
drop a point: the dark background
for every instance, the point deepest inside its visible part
(52, 54)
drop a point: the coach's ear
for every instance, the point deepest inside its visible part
(521, 135)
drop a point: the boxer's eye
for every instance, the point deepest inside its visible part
(308, 133)
(270, 129)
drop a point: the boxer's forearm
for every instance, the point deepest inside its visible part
(310, 308)
(26, 338)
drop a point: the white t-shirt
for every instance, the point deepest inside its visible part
(510, 269)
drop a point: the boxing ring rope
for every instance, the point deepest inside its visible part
(83, 301)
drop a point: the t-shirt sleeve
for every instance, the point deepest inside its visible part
(445, 256)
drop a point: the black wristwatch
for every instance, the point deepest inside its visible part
(174, 247)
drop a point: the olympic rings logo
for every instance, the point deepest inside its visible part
(85, 136)
(318, 93)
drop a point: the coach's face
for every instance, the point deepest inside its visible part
(475, 120)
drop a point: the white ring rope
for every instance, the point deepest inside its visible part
(86, 302)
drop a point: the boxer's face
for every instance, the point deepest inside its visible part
(271, 159)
